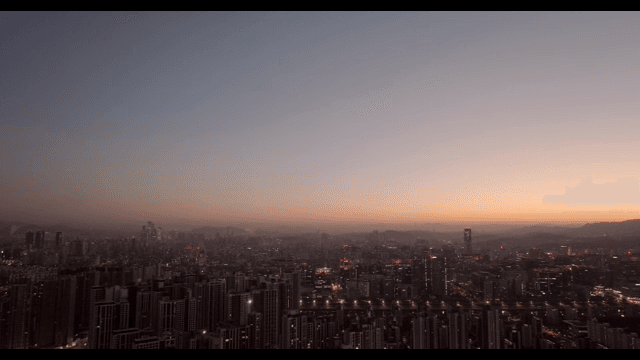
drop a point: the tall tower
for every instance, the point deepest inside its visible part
(58, 238)
(215, 298)
(29, 239)
(144, 236)
(239, 307)
(436, 276)
(467, 240)
(266, 302)
(40, 239)
(15, 317)
(294, 279)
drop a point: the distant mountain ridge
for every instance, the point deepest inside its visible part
(551, 232)
(627, 227)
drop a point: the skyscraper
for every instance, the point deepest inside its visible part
(425, 331)
(293, 336)
(40, 239)
(491, 332)
(295, 279)
(65, 310)
(418, 332)
(239, 307)
(124, 338)
(146, 309)
(266, 302)
(15, 317)
(467, 240)
(233, 337)
(58, 239)
(28, 238)
(109, 311)
(255, 335)
(436, 276)
(101, 325)
(458, 336)
(144, 237)
(171, 316)
(199, 296)
(419, 275)
(43, 313)
(215, 303)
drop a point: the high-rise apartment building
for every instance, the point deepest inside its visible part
(215, 303)
(491, 332)
(109, 311)
(171, 317)
(239, 307)
(436, 274)
(426, 332)
(294, 278)
(101, 326)
(65, 310)
(293, 335)
(266, 301)
(199, 296)
(29, 239)
(232, 337)
(40, 239)
(241, 283)
(15, 310)
(59, 239)
(254, 320)
(124, 338)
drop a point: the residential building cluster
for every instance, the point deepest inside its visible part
(166, 289)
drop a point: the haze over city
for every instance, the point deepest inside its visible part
(319, 180)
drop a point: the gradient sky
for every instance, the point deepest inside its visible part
(202, 117)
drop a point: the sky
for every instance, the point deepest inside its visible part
(224, 117)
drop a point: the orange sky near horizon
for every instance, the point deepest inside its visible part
(402, 117)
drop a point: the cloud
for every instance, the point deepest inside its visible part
(623, 191)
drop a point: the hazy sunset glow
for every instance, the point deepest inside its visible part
(338, 117)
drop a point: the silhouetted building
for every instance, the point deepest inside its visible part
(239, 307)
(232, 337)
(124, 338)
(40, 239)
(467, 240)
(14, 317)
(29, 239)
(59, 239)
(43, 314)
(294, 278)
(254, 320)
(266, 302)
(215, 303)
(171, 317)
(293, 334)
(436, 276)
(426, 332)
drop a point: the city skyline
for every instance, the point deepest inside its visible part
(319, 180)
(359, 117)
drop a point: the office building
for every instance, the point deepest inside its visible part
(467, 240)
